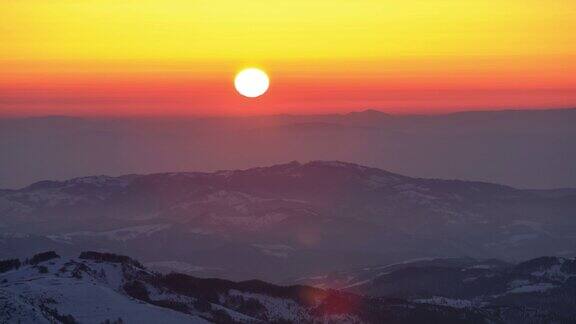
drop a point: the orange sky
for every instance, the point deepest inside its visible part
(179, 57)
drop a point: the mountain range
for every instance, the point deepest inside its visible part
(108, 288)
(285, 222)
(521, 148)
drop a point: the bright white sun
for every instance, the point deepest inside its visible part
(251, 82)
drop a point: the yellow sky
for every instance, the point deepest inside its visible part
(283, 30)
(430, 41)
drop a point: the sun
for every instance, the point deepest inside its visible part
(251, 82)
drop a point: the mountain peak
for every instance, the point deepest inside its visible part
(335, 164)
(296, 168)
(369, 113)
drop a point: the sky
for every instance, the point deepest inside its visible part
(179, 57)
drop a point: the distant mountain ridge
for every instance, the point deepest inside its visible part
(523, 148)
(287, 220)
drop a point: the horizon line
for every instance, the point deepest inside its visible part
(335, 113)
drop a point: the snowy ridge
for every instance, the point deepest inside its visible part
(72, 289)
(539, 290)
(98, 287)
(371, 216)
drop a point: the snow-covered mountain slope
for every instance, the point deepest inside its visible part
(288, 220)
(108, 288)
(82, 290)
(540, 290)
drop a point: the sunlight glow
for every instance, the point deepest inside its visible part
(252, 82)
